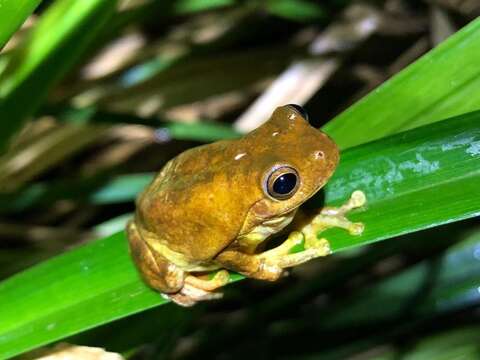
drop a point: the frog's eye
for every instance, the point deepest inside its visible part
(300, 110)
(282, 183)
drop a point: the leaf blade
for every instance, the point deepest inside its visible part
(110, 273)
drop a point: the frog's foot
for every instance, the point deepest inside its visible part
(330, 217)
(196, 289)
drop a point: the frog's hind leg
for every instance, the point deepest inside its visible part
(164, 276)
(157, 271)
(196, 289)
(220, 279)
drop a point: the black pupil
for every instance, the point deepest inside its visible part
(285, 183)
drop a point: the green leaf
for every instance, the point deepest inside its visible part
(413, 181)
(188, 6)
(12, 15)
(443, 83)
(417, 179)
(297, 10)
(58, 41)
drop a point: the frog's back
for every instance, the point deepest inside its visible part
(196, 205)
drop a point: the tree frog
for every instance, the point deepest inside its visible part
(211, 207)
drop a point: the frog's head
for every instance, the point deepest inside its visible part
(293, 160)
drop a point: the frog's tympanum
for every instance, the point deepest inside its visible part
(211, 207)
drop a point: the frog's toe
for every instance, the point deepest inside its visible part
(356, 228)
(180, 299)
(358, 199)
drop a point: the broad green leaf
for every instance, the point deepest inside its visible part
(438, 164)
(12, 15)
(443, 83)
(58, 41)
(97, 283)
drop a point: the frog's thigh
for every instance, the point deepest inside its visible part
(157, 271)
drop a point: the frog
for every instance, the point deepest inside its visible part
(210, 209)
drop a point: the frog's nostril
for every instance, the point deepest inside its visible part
(318, 155)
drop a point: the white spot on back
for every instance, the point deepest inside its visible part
(239, 156)
(292, 116)
(275, 133)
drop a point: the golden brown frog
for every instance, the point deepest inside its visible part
(210, 207)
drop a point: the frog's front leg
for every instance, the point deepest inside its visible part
(282, 256)
(269, 265)
(314, 247)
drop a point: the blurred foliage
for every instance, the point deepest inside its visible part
(95, 96)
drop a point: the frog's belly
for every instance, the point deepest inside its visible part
(177, 258)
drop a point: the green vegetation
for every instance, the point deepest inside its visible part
(80, 141)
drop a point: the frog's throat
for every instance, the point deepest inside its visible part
(258, 234)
